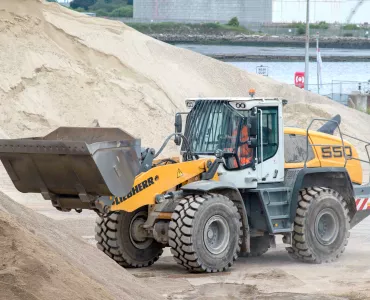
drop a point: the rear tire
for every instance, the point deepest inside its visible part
(204, 233)
(321, 226)
(118, 236)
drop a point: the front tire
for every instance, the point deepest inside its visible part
(120, 237)
(204, 233)
(321, 227)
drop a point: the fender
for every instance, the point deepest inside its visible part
(334, 178)
(229, 190)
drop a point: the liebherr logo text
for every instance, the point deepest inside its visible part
(135, 190)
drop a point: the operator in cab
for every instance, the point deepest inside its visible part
(245, 154)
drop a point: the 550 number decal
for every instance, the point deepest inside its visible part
(335, 151)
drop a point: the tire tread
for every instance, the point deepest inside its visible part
(106, 236)
(180, 238)
(300, 250)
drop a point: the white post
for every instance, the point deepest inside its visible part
(317, 63)
(307, 57)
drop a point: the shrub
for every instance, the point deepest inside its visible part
(82, 3)
(234, 22)
(348, 34)
(210, 26)
(350, 27)
(108, 5)
(301, 29)
(295, 25)
(323, 25)
(320, 25)
(123, 12)
(102, 13)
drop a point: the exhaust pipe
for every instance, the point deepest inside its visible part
(329, 127)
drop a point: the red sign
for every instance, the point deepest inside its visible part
(299, 79)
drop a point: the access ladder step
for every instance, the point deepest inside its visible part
(279, 217)
(278, 203)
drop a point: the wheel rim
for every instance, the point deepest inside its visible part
(216, 234)
(326, 226)
(137, 233)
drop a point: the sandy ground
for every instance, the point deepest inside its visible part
(31, 269)
(272, 276)
(40, 258)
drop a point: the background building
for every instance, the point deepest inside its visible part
(247, 11)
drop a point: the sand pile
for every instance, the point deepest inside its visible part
(41, 259)
(61, 67)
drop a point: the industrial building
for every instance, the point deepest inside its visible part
(247, 11)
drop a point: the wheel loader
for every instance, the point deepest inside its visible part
(241, 179)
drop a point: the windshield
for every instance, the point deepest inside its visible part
(212, 125)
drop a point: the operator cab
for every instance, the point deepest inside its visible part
(246, 132)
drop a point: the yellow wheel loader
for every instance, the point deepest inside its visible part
(240, 180)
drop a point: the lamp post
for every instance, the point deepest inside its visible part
(307, 57)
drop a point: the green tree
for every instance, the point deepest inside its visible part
(108, 4)
(82, 3)
(301, 29)
(123, 12)
(234, 22)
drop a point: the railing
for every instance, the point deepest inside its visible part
(323, 145)
(367, 144)
(340, 90)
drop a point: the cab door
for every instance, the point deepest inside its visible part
(270, 145)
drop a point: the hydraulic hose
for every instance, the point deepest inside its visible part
(186, 142)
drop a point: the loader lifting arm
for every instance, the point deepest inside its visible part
(103, 169)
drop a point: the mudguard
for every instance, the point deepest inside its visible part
(362, 193)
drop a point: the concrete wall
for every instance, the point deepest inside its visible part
(204, 10)
(359, 101)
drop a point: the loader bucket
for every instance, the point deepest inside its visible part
(73, 163)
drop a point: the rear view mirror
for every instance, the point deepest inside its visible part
(178, 123)
(178, 129)
(253, 125)
(254, 111)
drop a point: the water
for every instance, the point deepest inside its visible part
(276, 51)
(338, 78)
(352, 72)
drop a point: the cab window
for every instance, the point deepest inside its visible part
(270, 132)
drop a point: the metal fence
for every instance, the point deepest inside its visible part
(339, 90)
(333, 30)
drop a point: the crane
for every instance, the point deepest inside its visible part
(354, 10)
